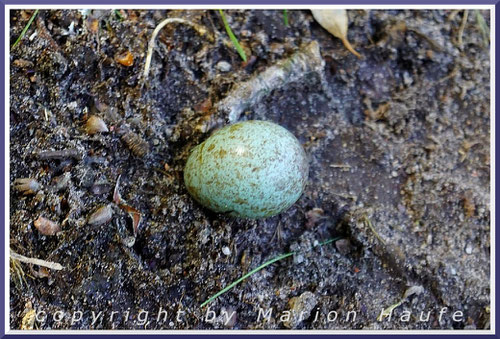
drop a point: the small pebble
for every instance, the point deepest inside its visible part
(46, 226)
(101, 216)
(126, 59)
(129, 241)
(61, 182)
(23, 63)
(226, 250)
(301, 308)
(95, 125)
(468, 248)
(246, 33)
(298, 259)
(204, 236)
(100, 188)
(343, 246)
(223, 66)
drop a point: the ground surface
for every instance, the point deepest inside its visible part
(399, 152)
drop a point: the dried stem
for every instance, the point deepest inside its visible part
(349, 47)
(462, 28)
(200, 29)
(39, 262)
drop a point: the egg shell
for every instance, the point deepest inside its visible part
(252, 169)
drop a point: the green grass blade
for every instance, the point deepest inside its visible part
(233, 38)
(25, 29)
(483, 27)
(257, 269)
(327, 242)
(118, 14)
(285, 17)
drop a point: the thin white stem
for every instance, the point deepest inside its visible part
(162, 24)
(39, 262)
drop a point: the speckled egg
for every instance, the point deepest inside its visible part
(252, 169)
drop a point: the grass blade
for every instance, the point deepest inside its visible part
(483, 27)
(257, 269)
(233, 38)
(25, 29)
(285, 17)
(118, 14)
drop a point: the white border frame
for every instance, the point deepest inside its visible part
(8, 8)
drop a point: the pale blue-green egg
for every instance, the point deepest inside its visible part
(252, 169)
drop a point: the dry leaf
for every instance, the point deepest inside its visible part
(335, 21)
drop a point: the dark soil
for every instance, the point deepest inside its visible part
(399, 148)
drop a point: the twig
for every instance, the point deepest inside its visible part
(462, 28)
(307, 60)
(63, 154)
(339, 166)
(434, 44)
(453, 72)
(370, 225)
(39, 262)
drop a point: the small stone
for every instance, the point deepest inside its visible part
(343, 246)
(245, 33)
(223, 66)
(129, 241)
(101, 216)
(21, 63)
(61, 182)
(226, 251)
(46, 226)
(95, 125)
(300, 308)
(468, 248)
(100, 188)
(204, 235)
(407, 79)
(298, 259)
(126, 59)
